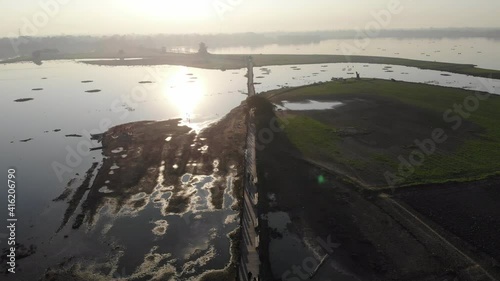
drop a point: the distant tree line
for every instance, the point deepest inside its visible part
(164, 42)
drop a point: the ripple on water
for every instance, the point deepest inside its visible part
(160, 228)
(308, 105)
(232, 218)
(105, 190)
(138, 196)
(216, 165)
(117, 150)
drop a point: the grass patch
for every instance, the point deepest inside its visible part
(310, 136)
(476, 157)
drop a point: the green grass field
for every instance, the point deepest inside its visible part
(475, 158)
(311, 137)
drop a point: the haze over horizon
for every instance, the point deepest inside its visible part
(94, 17)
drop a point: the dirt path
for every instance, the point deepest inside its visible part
(251, 85)
(250, 261)
(476, 271)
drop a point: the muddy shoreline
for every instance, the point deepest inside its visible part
(134, 153)
(157, 159)
(468, 210)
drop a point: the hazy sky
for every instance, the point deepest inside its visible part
(226, 16)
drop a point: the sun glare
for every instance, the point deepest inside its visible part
(185, 92)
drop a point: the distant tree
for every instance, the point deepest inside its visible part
(37, 57)
(121, 54)
(203, 50)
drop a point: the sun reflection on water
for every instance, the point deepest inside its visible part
(185, 92)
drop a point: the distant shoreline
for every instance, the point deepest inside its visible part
(227, 62)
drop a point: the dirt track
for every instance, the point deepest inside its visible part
(467, 212)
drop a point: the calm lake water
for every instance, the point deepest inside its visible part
(31, 142)
(479, 51)
(63, 107)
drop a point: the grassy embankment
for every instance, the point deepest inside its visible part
(239, 61)
(467, 157)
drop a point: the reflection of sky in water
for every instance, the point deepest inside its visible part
(308, 105)
(287, 250)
